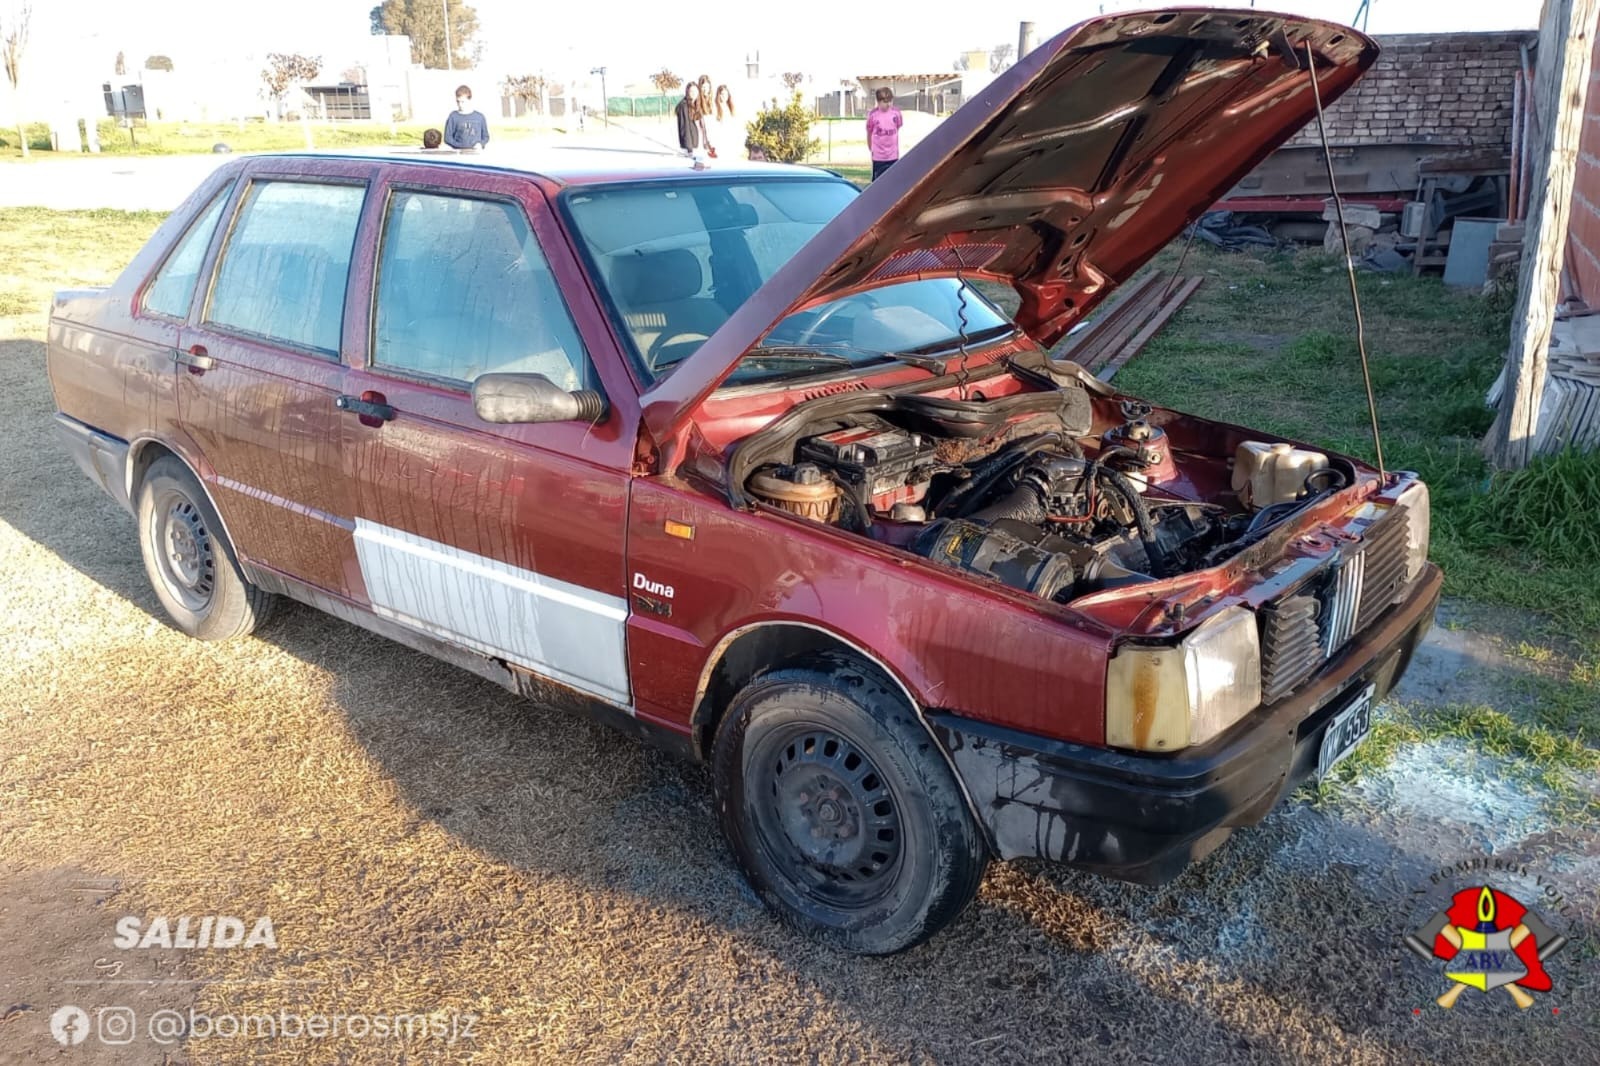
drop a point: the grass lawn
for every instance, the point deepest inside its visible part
(190, 138)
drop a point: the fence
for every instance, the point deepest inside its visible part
(856, 105)
(641, 106)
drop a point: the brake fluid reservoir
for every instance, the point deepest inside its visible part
(1265, 474)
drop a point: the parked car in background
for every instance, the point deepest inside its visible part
(741, 460)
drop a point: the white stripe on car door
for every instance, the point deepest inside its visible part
(566, 632)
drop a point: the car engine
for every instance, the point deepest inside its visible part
(1017, 490)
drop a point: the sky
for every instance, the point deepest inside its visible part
(633, 37)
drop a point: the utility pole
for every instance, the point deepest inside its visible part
(1566, 42)
(605, 101)
(449, 57)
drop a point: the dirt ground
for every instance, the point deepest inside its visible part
(426, 844)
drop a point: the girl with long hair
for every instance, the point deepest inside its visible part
(691, 132)
(723, 130)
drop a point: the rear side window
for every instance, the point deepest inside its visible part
(286, 263)
(464, 290)
(173, 289)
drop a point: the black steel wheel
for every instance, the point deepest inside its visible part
(826, 813)
(844, 816)
(191, 566)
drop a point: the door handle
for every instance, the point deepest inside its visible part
(196, 358)
(369, 405)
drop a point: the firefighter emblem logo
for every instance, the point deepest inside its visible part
(1487, 940)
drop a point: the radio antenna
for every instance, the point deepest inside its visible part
(1349, 266)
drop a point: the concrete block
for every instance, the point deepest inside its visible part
(1354, 214)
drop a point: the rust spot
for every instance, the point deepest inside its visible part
(1146, 694)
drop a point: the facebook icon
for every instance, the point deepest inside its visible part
(69, 1026)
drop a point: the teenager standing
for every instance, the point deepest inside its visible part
(723, 134)
(465, 128)
(691, 133)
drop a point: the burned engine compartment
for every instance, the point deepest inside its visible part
(1021, 489)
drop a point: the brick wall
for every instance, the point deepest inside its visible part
(1583, 229)
(1452, 88)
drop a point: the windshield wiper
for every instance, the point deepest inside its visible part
(821, 351)
(797, 353)
(983, 336)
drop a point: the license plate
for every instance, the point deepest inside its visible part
(1348, 728)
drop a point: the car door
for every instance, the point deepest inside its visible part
(507, 539)
(261, 369)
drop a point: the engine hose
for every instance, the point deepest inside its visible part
(1023, 503)
(1141, 519)
(994, 468)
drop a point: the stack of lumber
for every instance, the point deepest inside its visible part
(1122, 329)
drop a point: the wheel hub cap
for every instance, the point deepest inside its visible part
(831, 810)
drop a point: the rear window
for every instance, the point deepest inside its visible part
(173, 289)
(286, 263)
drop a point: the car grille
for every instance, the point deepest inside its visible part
(1301, 632)
(1291, 646)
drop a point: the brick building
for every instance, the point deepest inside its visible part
(1583, 229)
(1449, 89)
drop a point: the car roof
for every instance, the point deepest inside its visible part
(572, 166)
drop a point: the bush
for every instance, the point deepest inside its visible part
(784, 133)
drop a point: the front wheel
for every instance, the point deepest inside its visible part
(189, 561)
(844, 817)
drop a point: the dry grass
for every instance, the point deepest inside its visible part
(426, 842)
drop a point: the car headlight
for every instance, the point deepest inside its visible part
(1418, 527)
(1169, 698)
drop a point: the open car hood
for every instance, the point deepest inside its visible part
(1061, 178)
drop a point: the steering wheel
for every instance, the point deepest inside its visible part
(810, 332)
(670, 338)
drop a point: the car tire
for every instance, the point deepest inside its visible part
(189, 561)
(844, 816)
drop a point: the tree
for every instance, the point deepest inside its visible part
(665, 81)
(424, 22)
(1000, 56)
(13, 43)
(158, 63)
(529, 88)
(288, 69)
(122, 65)
(784, 133)
(355, 74)
(793, 79)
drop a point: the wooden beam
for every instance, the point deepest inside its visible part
(1560, 84)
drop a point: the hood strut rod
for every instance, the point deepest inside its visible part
(1349, 265)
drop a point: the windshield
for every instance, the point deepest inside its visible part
(677, 258)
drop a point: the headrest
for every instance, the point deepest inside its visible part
(656, 277)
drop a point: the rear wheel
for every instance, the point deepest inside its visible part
(188, 558)
(843, 816)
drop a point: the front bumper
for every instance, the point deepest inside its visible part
(1144, 818)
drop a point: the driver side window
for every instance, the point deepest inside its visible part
(463, 289)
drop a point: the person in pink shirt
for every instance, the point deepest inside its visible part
(883, 132)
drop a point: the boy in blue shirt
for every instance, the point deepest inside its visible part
(465, 128)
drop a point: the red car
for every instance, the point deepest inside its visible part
(739, 459)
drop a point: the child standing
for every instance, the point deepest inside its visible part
(883, 132)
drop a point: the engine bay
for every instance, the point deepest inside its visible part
(1023, 490)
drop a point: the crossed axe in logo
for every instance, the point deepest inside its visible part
(1486, 957)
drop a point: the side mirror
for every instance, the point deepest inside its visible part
(507, 398)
